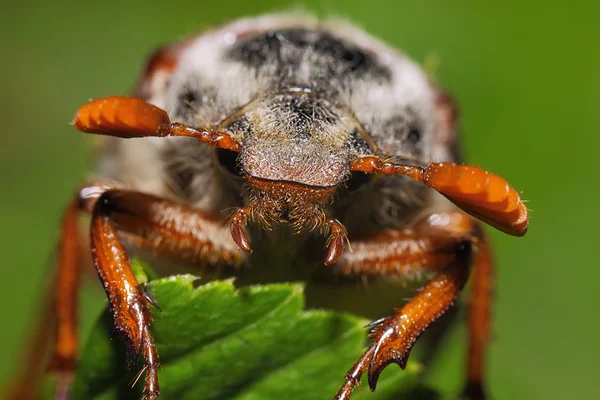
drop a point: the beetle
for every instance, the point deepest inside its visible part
(299, 125)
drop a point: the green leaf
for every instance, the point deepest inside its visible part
(219, 342)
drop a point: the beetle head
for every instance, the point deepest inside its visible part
(296, 151)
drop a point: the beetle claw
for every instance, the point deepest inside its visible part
(387, 347)
(387, 350)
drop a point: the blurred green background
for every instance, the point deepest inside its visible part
(528, 79)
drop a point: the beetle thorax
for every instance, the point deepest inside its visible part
(298, 138)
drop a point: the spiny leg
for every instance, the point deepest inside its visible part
(442, 243)
(129, 306)
(161, 225)
(164, 226)
(394, 337)
(487, 197)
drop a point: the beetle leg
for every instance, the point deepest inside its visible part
(479, 320)
(129, 306)
(161, 225)
(67, 281)
(442, 244)
(167, 228)
(66, 296)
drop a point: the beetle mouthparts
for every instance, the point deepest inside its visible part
(278, 202)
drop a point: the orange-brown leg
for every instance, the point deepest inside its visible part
(66, 296)
(59, 315)
(479, 321)
(129, 306)
(167, 228)
(162, 225)
(442, 244)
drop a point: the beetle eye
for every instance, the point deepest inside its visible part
(188, 99)
(358, 180)
(228, 161)
(414, 135)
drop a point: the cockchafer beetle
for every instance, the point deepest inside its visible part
(299, 125)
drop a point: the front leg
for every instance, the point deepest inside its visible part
(165, 227)
(129, 306)
(441, 244)
(161, 225)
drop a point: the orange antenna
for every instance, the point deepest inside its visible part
(482, 194)
(129, 117)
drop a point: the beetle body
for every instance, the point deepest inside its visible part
(288, 127)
